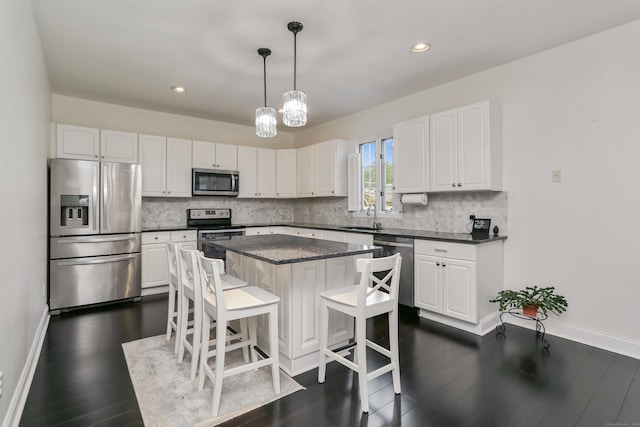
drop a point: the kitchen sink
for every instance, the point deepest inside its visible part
(362, 228)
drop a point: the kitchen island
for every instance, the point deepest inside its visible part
(296, 269)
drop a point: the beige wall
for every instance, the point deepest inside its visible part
(24, 135)
(574, 108)
(82, 112)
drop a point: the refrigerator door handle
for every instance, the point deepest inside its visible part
(97, 239)
(97, 260)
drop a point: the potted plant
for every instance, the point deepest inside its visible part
(531, 300)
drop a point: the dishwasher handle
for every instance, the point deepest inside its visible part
(395, 244)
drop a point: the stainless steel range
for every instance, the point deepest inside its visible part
(213, 224)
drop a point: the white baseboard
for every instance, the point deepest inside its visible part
(585, 336)
(19, 398)
(484, 326)
(552, 327)
(162, 289)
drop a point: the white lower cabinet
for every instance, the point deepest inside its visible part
(457, 280)
(155, 265)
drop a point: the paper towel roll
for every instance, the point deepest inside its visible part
(414, 199)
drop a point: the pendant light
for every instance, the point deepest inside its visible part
(265, 116)
(294, 109)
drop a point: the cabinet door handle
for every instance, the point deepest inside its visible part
(438, 264)
(440, 250)
(453, 184)
(444, 265)
(459, 184)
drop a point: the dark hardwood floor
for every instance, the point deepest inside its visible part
(449, 378)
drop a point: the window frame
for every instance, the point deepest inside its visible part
(380, 166)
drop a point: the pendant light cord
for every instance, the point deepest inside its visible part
(295, 27)
(295, 59)
(264, 66)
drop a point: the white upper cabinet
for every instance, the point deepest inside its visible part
(266, 172)
(211, 155)
(286, 173)
(153, 157)
(248, 171)
(322, 169)
(166, 166)
(76, 142)
(306, 171)
(257, 169)
(466, 149)
(117, 146)
(411, 156)
(331, 168)
(178, 167)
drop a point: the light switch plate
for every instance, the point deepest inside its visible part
(556, 176)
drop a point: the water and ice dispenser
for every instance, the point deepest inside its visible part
(74, 210)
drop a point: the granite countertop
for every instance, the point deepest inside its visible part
(283, 249)
(442, 236)
(167, 228)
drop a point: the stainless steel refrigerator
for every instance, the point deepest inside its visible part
(95, 211)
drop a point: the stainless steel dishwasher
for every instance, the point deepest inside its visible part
(404, 246)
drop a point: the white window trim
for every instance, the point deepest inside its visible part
(381, 214)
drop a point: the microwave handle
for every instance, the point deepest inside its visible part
(234, 182)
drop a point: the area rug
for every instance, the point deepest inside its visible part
(167, 398)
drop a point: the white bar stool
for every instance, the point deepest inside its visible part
(234, 304)
(372, 297)
(191, 280)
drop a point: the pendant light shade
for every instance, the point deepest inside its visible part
(265, 116)
(294, 108)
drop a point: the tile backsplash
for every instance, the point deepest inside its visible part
(443, 212)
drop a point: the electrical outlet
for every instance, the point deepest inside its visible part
(44, 289)
(0, 384)
(556, 176)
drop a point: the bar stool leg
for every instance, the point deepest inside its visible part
(221, 343)
(273, 345)
(324, 331)
(361, 355)
(393, 347)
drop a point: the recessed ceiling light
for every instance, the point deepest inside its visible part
(178, 89)
(420, 47)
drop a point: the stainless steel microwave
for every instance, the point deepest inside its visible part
(215, 182)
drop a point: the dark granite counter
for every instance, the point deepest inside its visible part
(169, 228)
(283, 249)
(399, 232)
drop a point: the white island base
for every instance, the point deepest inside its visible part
(299, 285)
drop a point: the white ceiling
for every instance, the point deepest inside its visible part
(352, 54)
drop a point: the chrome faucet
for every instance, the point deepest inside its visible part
(376, 224)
